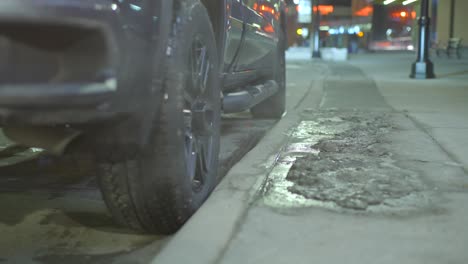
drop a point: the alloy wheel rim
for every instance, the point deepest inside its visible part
(198, 116)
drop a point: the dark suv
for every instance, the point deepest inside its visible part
(140, 85)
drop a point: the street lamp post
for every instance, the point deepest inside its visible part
(423, 68)
(316, 40)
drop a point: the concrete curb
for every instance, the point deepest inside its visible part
(206, 236)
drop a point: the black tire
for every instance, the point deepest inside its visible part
(160, 187)
(274, 107)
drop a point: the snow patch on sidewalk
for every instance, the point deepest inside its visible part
(340, 161)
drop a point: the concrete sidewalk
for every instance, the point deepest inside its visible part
(439, 106)
(375, 171)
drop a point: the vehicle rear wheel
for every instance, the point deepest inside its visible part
(274, 107)
(159, 188)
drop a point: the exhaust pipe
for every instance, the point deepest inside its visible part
(52, 140)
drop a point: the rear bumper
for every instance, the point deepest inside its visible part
(64, 104)
(59, 117)
(86, 13)
(59, 60)
(52, 95)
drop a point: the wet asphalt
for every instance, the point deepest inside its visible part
(52, 211)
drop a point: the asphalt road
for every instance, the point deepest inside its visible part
(52, 211)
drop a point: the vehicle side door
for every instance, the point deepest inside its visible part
(233, 32)
(261, 18)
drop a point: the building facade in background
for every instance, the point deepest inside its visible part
(377, 24)
(451, 20)
(395, 23)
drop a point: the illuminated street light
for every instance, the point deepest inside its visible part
(407, 2)
(386, 2)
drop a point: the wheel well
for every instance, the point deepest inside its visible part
(217, 13)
